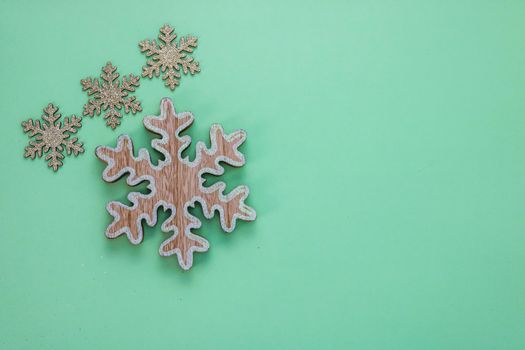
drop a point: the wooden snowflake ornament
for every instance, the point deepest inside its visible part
(169, 56)
(111, 95)
(51, 135)
(175, 183)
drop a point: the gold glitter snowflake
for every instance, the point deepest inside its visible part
(170, 56)
(52, 135)
(111, 95)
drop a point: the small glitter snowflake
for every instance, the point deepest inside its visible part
(169, 56)
(111, 95)
(175, 183)
(52, 135)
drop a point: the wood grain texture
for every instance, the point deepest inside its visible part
(175, 183)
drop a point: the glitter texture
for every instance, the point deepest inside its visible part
(52, 136)
(169, 56)
(111, 95)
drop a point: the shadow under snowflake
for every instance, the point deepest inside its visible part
(111, 95)
(52, 136)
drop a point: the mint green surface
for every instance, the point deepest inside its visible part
(385, 158)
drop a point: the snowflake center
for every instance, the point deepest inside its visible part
(112, 95)
(53, 136)
(177, 188)
(169, 56)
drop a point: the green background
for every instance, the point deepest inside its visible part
(385, 158)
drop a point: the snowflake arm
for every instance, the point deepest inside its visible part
(109, 74)
(32, 127)
(188, 43)
(188, 63)
(72, 146)
(230, 207)
(34, 149)
(131, 104)
(72, 124)
(112, 118)
(90, 85)
(167, 34)
(167, 125)
(172, 78)
(120, 160)
(55, 159)
(128, 219)
(152, 68)
(150, 47)
(224, 148)
(183, 242)
(50, 115)
(92, 107)
(130, 83)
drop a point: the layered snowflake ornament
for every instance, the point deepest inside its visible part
(52, 137)
(175, 183)
(169, 56)
(110, 94)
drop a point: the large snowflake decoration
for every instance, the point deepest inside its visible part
(110, 95)
(175, 183)
(169, 56)
(52, 136)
